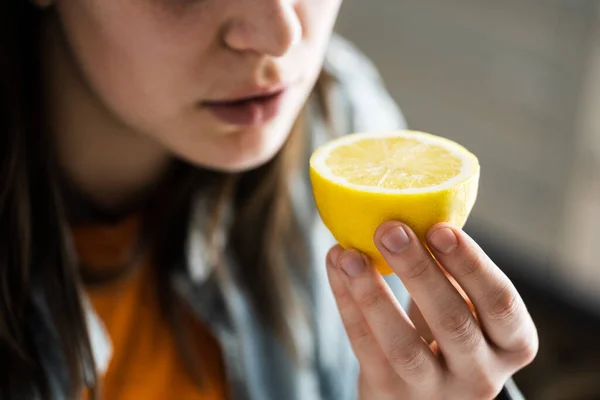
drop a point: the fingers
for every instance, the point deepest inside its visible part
(386, 322)
(377, 368)
(447, 314)
(499, 306)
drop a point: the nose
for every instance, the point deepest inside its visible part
(268, 27)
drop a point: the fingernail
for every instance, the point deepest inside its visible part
(353, 264)
(395, 240)
(444, 240)
(334, 256)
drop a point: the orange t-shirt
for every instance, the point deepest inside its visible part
(145, 363)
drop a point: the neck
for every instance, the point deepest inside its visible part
(108, 161)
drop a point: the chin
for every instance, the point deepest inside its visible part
(250, 150)
(238, 164)
(241, 152)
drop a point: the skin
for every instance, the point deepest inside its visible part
(468, 359)
(130, 76)
(125, 82)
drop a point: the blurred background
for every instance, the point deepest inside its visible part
(518, 83)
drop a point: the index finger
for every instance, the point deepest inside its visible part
(499, 306)
(445, 311)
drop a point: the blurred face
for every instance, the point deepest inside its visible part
(217, 82)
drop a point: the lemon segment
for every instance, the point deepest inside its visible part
(362, 180)
(397, 163)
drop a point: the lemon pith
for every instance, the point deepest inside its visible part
(362, 180)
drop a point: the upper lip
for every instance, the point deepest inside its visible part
(248, 94)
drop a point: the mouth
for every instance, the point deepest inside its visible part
(248, 109)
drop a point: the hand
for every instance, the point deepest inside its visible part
(471, 358)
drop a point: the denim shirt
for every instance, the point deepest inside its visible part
(257, 364)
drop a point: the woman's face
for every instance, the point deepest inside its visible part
(217, 82)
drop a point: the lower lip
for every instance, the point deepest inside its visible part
(248, 113)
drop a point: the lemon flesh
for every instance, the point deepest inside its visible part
(362, 180)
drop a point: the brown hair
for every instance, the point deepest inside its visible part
(34, 253)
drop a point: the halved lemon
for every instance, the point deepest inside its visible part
(362, 180)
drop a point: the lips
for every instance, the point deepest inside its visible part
(250, 109)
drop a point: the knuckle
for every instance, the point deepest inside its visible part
(419, 267)
(528, 349)
(481, 386)
(371, 299)
(471, 264)
(407, 356)
(504, 307)
(359, 331)
(344, 300)
(486, 388)
(461, 328)
(529, 354)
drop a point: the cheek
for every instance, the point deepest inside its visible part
(141, 61)
(318, 17)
